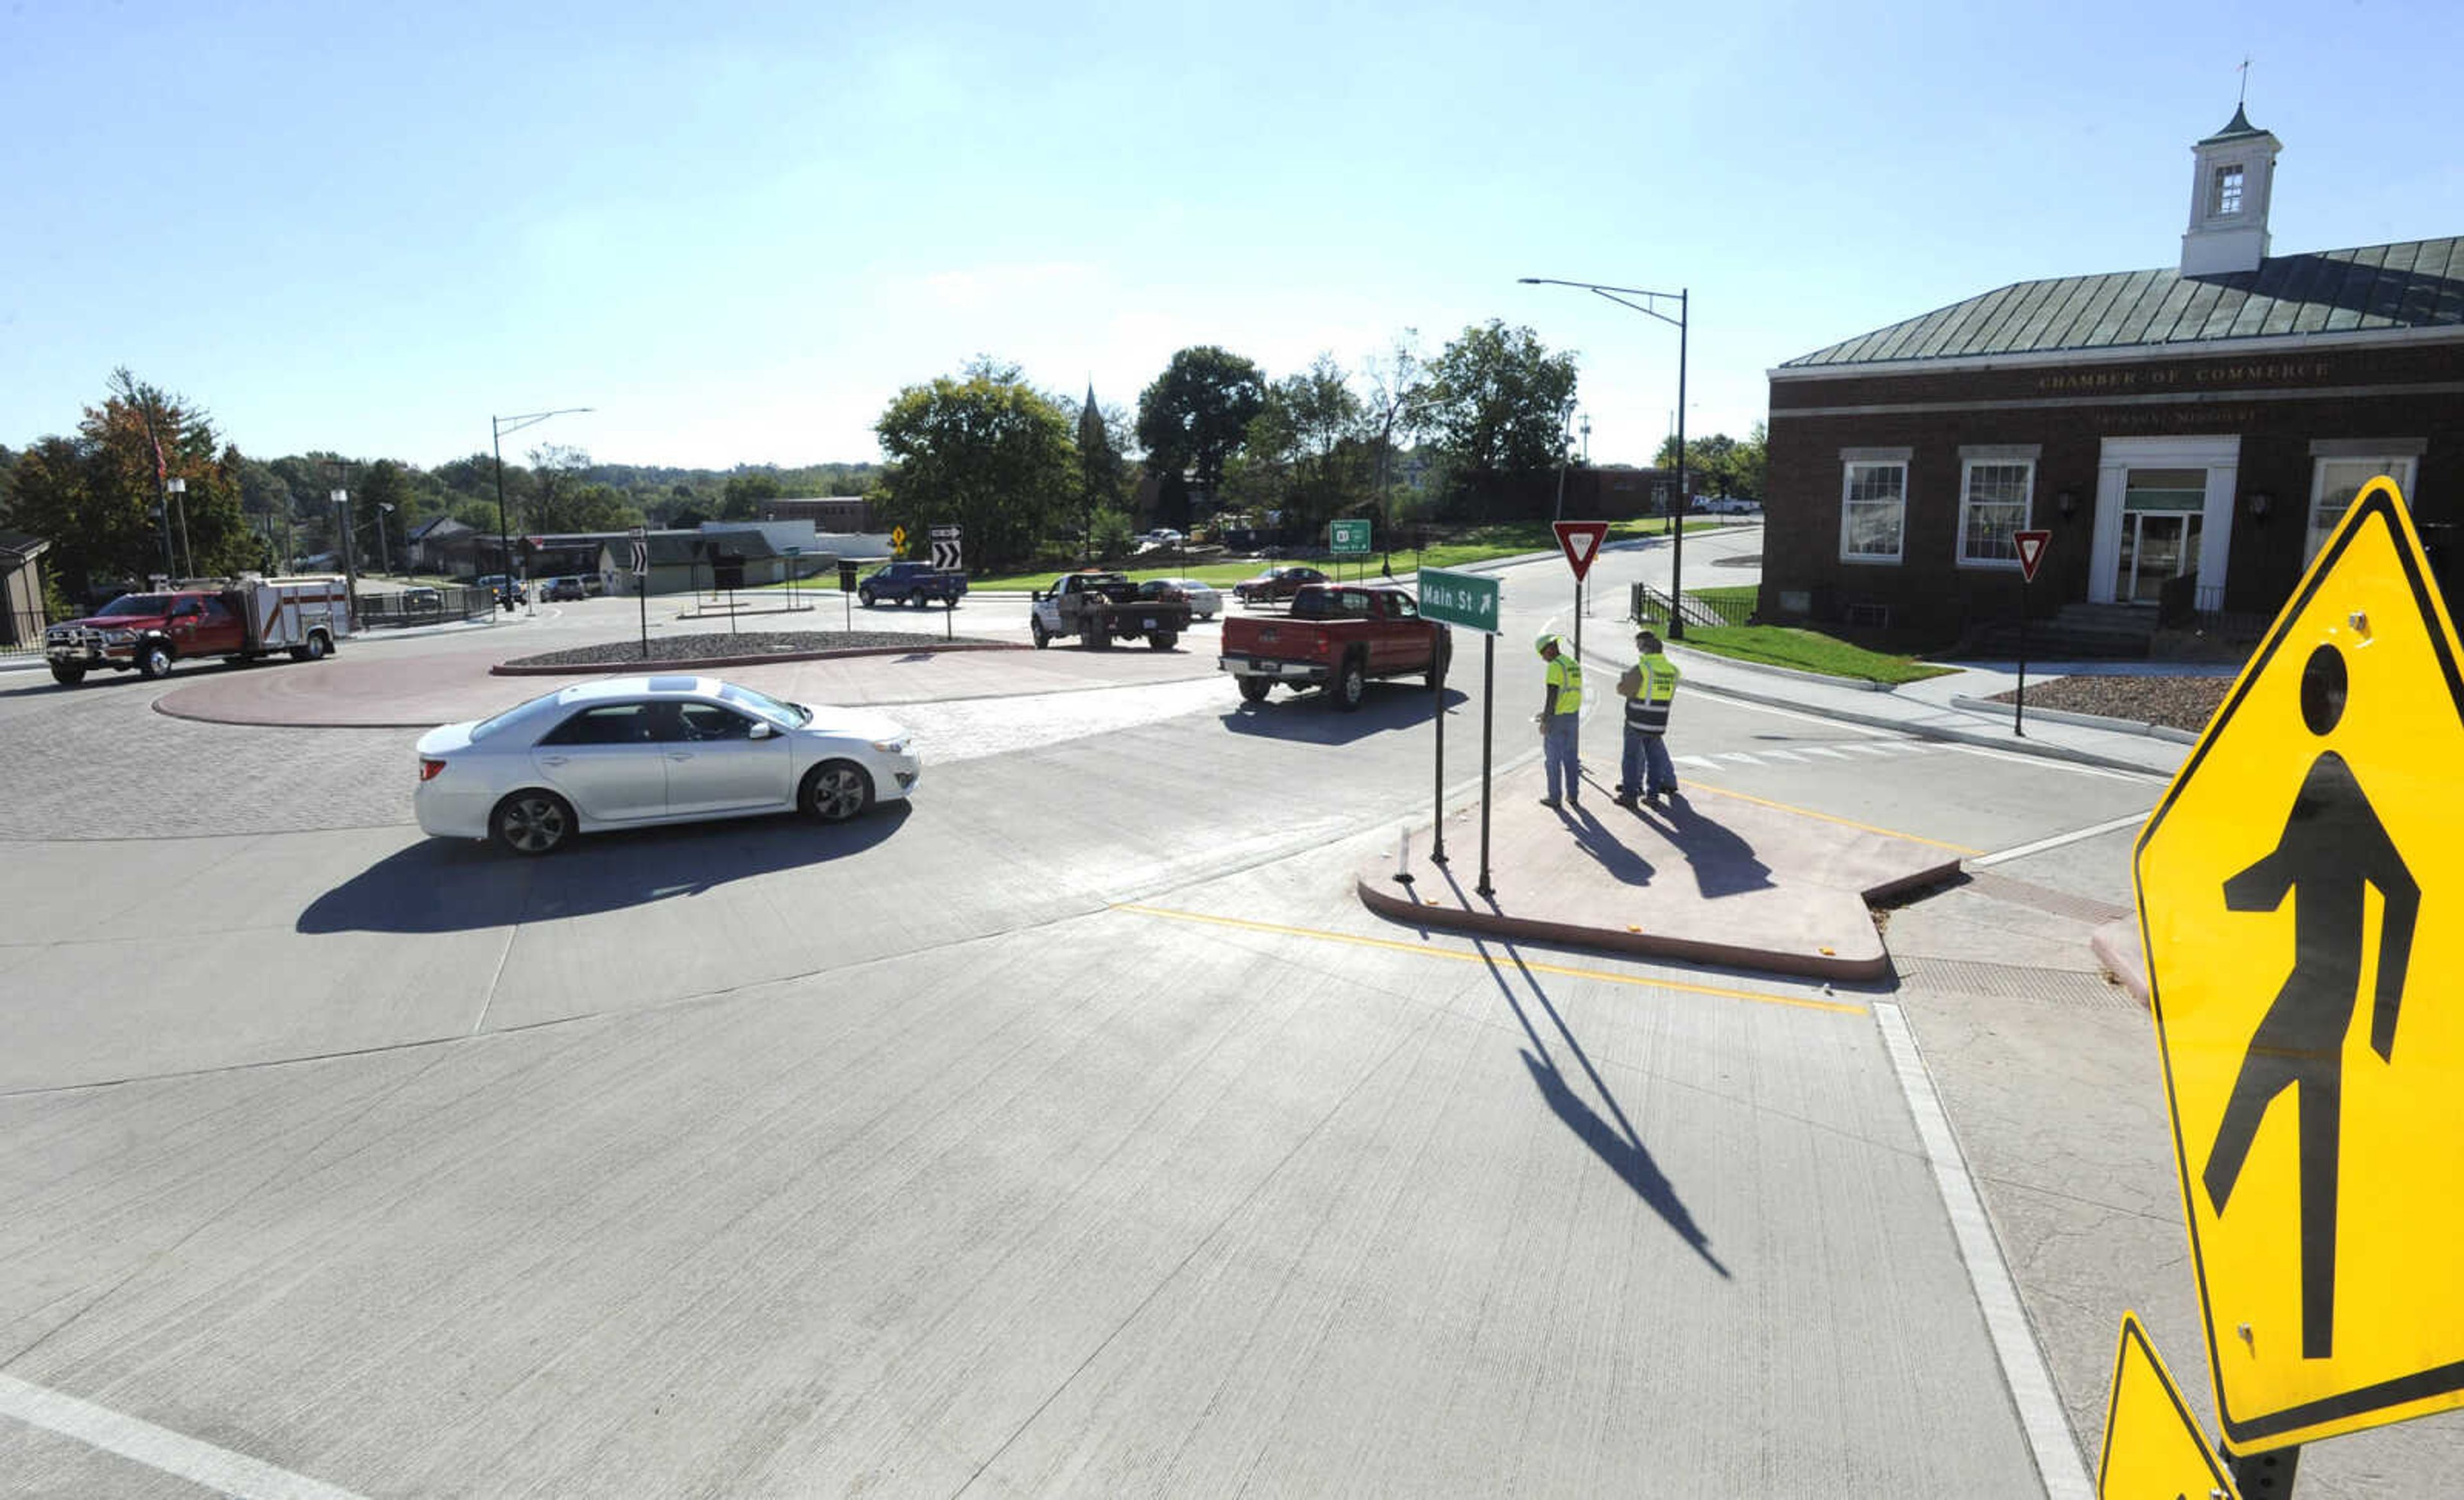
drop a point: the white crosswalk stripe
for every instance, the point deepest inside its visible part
(1789, 755)
(1739, 757)
(1703, 760)
(1826, 752)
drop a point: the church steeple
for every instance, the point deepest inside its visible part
(2233, 174)
(1090, 421)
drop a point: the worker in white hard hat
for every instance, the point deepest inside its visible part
(1560, 721)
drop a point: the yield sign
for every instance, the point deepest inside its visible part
(2154, 1445)
(1580, 540)
(2031, 551)
(2302, 903)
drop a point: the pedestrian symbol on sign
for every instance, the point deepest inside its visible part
(2333, 844)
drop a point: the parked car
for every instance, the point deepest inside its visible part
(1204, 602)
(1338, 637)
(1274, 583)
(568, 587)
(632, 752)
(911, 583)
(417, 602)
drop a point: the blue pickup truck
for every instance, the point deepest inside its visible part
(910, 582)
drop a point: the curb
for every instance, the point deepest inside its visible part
(2116, 946)
(660, 668)
(1790, 674)
(2059, 716)
(1688, 950)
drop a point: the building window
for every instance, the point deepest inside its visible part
(2335, 482)
(1993, 512)
(2228, 190)
(1873, 512)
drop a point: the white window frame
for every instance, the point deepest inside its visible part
(1970, 461)
(1851, 460)
(2397, 458)
(2232, 186)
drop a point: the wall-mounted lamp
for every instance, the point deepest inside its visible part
(2259, 502)
(2066, 501)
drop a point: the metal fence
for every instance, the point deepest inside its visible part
(1653, 606)
(407, 606)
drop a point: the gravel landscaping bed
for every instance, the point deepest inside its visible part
(2175, 702)
(745, 643)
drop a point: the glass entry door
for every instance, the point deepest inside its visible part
(2162, 511)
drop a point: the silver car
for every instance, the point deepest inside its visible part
(630, 752)
(1204, 602)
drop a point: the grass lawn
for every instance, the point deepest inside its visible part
(1807, 650)
(1483, 544)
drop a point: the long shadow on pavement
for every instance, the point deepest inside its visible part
(1313, 719)
(1724, 863)
(455, 885)
(1618, 1144)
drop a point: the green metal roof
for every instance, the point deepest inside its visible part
(2235, 128)
(2418, 284)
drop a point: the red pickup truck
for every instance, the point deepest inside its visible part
(1338, 636)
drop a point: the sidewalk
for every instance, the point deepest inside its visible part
(1924, 709)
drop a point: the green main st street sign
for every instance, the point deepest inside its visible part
(1347, 537)
(1470, 600)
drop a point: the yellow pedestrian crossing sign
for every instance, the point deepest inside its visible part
(2302, 903)
(898, 540)
(2154, 1448)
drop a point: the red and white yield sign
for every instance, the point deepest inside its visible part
(1580, 540)
(2031, 551)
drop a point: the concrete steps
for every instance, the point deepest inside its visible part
(2081, 631)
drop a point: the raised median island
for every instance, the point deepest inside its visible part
(740, 649)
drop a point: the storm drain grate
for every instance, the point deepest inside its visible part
(2071, 987)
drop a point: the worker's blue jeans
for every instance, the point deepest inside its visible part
(1559, 746)
(1647, 767)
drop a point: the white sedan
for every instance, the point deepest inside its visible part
(632, 752)
(1204, 602)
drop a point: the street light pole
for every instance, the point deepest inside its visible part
(384, 545)
(178, 489)
(1677, 506)
(497, 428)
(342, 499)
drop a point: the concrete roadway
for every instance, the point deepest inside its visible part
(1072, 1130)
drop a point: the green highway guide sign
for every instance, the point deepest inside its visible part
(1347, 538)
(1469, 600)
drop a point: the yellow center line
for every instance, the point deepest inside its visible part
(1459, 956)
(1845, 823)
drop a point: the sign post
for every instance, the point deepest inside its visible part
(793, 553)
(1349, 538)
(2031, 551)
(846, 591)
(640, 541)
(1473, 601)
(2281, 885)
(949, 556)
(1580, 540)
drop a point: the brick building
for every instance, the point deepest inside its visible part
(2188, 434)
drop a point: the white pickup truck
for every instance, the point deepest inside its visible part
(1102, 607)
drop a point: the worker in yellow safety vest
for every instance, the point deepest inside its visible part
(1560, 720)
(1649, 687)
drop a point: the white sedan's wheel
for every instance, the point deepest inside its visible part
(837, 790)
(532, 822)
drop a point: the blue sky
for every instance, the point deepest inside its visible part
(738, 229)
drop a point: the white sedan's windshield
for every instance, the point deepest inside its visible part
(786, 716)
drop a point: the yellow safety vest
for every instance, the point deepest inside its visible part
(1648, 709)
(1566, 675)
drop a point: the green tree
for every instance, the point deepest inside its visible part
(1720, 464)
(746, 494)
(378, 532)
(1495, 404)
(96, 496)
(983, 450)
(1191, 421)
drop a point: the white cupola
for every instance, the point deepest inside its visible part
(2229, 191)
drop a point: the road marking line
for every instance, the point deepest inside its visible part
(1868, 749)
(1738, 755)
(2074, 836)
(1782, 755)
(2053, 764)
(1461, 956)
(2023, 1364)
(1826, 752)
(218, 1470)
(1703, 760)
(1845, 823)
